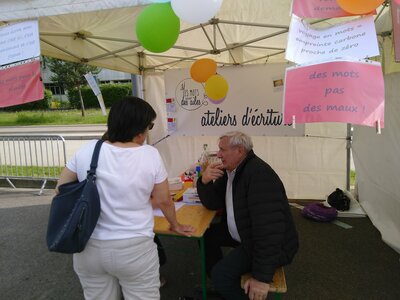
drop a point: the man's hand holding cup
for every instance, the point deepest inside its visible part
(212, 172)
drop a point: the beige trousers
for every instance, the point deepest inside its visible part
(104, 267)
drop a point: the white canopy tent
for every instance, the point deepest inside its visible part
(102, 33)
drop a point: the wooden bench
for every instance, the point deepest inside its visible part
(278, 285)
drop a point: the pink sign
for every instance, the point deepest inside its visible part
(396, 28)
(338, 91)
(319, 9)
(21, 84)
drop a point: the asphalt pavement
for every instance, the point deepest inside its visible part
(332, 263)
(74, 135)
(81, 131)
(29, 271)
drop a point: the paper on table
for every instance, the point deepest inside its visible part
(158, 213)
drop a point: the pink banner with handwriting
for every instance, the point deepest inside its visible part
(319, 9)
(21, 84)
(338, 91)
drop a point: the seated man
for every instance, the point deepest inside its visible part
(257, 223)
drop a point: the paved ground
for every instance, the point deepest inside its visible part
(29, 271)
(22, 197)
(332, 262)
(73, 131)
(74, 135)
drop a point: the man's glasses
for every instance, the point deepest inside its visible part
(151, 126)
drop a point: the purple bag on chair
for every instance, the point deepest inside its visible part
(319, 212)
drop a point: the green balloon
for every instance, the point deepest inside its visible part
(157, 27)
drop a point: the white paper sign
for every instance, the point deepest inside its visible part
(19, 41)
(253, 103)
(170, 105)
(92, 83)
(355, 39)
(96, 90)
(101, 103)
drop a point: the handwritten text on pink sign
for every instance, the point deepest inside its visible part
(21, 84)
(319, 9)
(339, 91)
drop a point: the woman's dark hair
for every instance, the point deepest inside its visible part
(129, 117)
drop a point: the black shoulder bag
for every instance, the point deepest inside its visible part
(74, 212)
(339, 200)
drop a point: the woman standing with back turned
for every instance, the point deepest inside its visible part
(121, 250)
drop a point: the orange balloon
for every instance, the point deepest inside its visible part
(203, 69)
(359, 7)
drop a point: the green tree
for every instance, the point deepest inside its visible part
(70, 75)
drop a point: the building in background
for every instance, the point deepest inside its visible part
(105, 76)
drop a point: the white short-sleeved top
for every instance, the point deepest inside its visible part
(125, 180)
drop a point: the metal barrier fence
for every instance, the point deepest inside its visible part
(39, 157)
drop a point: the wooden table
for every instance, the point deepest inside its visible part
(199, 217)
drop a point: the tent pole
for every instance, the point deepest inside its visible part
(349, 138)
(137, 80)
(137, 85)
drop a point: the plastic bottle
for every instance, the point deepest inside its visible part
(203, 158)
(196, 175)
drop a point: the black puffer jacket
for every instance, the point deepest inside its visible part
(262, 214)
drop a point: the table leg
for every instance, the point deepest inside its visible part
(203, 269)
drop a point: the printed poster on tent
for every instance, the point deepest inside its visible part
(253, 104)
(337, 91)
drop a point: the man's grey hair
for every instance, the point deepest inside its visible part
(237, 138)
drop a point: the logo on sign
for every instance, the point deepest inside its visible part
(190, 95)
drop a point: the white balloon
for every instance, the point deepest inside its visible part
(196, 11)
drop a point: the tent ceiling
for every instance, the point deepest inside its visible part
(102, 33)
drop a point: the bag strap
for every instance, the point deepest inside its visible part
(95, 158)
